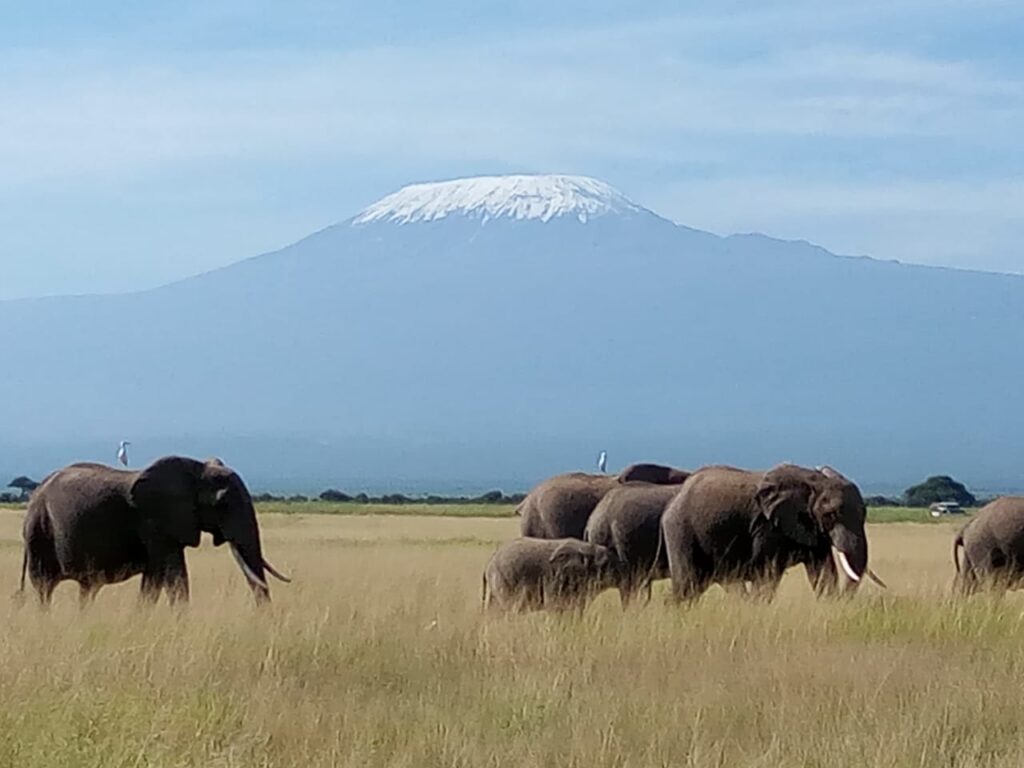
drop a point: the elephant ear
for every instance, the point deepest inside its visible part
(165, 495)
(571, 556)
(833, 474)
(784, 498)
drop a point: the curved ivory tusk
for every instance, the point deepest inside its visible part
(252, 577)
(276, 573)
(874, 577)
(847, 569)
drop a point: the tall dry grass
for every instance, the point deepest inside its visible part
(377, 655)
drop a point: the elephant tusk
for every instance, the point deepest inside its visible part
(276, 573)
(252, 577)
(847, 568)
(874, 577)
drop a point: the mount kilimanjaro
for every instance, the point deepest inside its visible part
(489, 331)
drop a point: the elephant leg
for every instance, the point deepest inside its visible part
(44, 591)
(689, 578)
(625, 596)
(765, 581)
(737, 588)
(631, 586)
(87, 593)
(44, 584)
(965, 583)
(177, 581)
(823, 577)
(687, 590)
(166, 571)
(152, 583)
(44, 569)
(763, 590)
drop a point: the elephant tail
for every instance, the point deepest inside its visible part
(958, 544)
(19, 596)
(483, 592)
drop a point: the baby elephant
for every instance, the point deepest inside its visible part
(559, 574)
(993, 545)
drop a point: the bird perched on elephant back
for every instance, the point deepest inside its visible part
(731, 526)
(627, 520)
(97, 525)
(560, 506)
(993, 547)
(557, 574)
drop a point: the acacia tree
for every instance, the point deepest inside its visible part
(24, 484)
(938, 488)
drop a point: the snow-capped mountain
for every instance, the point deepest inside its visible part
(489, 331)
(540, 197)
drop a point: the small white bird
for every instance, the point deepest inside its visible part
(122, 453)
(602, 461)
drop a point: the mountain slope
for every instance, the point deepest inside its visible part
(496, 331)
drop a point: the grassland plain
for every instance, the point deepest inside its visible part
(378, 655)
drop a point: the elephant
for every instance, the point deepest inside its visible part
(628, 520)
(98, 525)
(993, 548)
(558, 574)
(560, 506)
(735, 527)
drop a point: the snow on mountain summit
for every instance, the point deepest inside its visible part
(486, 197)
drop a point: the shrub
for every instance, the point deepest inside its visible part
(332, 494)
(881, 501)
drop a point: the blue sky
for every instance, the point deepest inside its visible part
(140, 142)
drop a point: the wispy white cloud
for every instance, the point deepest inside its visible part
(787, 118)
(526, 99)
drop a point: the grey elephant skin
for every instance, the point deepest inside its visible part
(556, 574)
(732, 526)
(993, 547)
(97, 525)
(627, 520)
(561, 505)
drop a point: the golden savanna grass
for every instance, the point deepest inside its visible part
(377, 655)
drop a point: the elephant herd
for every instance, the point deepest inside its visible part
(582, 534)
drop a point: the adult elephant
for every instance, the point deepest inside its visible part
(993, 547)
(559, 507)
(732, 526)
(627, 521)
(97, 525)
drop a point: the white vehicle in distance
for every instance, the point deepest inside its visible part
(940, 508)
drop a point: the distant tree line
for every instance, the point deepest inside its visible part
(332, 494)
(935, 489)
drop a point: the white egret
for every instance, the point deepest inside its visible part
(122, 453)
(602, 461)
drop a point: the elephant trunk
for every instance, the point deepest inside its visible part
(851, 547)
(242, 534)
(253, 573)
